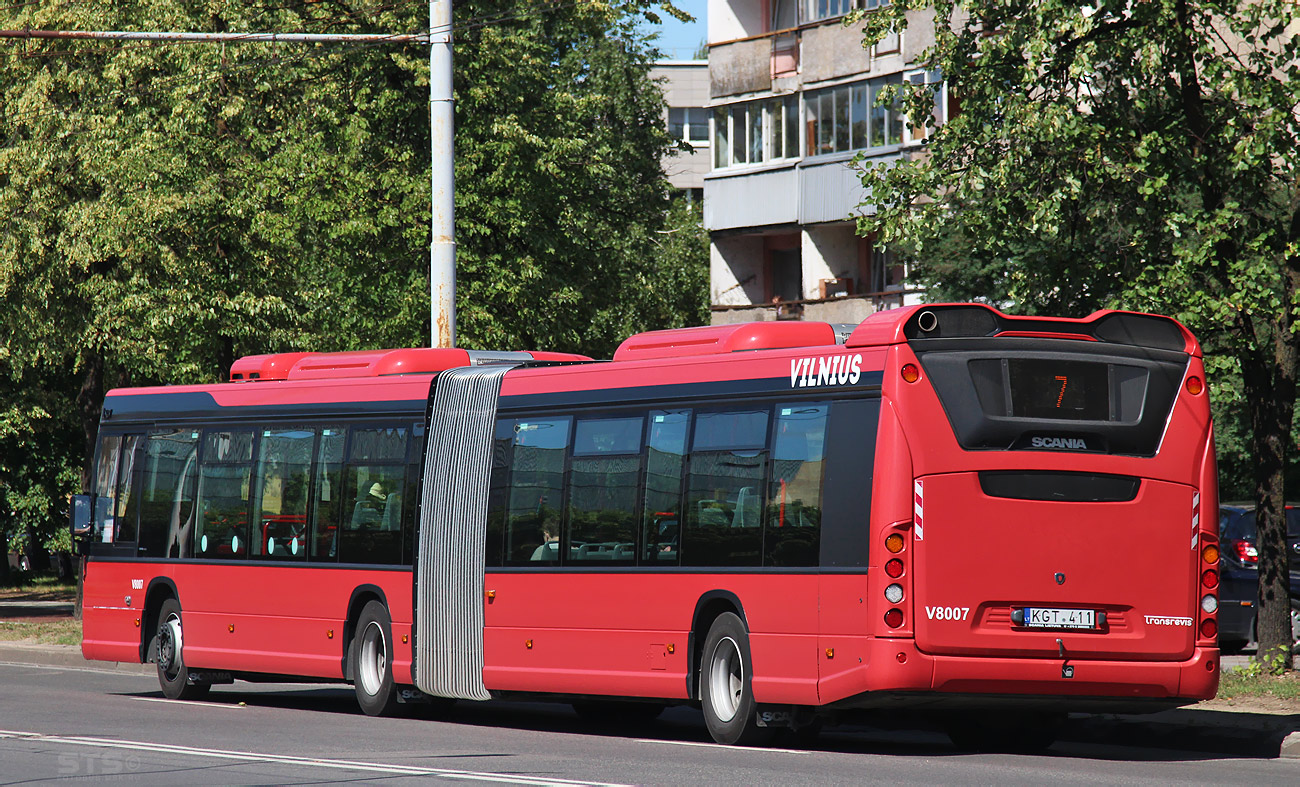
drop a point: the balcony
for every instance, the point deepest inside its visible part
(851, 309)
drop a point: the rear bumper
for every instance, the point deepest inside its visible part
(896, 673)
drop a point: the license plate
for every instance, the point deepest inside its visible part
(1043, 617)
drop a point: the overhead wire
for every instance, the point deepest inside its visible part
(313, 52)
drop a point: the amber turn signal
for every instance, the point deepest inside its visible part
(1210, 554)
(1195, 386)
(910, 373)
(894, 543)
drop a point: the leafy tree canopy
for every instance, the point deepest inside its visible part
(167, 208)
(1138, 155)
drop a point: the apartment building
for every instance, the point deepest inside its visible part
(685, 84)
(793, 100)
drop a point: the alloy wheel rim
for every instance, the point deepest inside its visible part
(726, 679)
(374, 658)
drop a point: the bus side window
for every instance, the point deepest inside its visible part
(794, 502)
(728, 466)
(126, 507)
(327, 495)
(225, 493)
(110, 456)
(603, 489)
(499, 491)
(665, 463)
(167, 494)
(374, 482)
(533, 509)
(283, 473)
(414, 476)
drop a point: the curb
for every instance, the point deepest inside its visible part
(1291, 747)
(1202, 730)
(65, 656)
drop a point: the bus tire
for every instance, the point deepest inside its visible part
(169, 656)
(372, 661)
(726, 685)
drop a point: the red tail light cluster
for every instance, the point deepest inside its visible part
(1244, 551)
(1209, 627)
(894, 569)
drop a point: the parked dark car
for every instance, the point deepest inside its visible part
(1239, 576)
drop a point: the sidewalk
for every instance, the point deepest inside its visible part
(1244, 728)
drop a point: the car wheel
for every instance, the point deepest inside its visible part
(726, 690)
(169, 656)
(372, 661)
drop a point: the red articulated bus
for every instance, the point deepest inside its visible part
(943, 508)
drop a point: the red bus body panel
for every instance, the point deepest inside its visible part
(817, 637)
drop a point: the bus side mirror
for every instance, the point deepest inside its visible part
(79, 518)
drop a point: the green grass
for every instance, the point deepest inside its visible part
(1249, 682)
(54, 631)
(38, 587)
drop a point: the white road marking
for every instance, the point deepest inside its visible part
(197, 703)
(283, 759)
(722, 746)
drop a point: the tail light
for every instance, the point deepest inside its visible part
(1244, 551)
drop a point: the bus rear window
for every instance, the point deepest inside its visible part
(1073, 390)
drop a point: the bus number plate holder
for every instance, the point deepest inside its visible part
(1050, 618)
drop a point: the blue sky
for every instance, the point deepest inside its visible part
(677, 40)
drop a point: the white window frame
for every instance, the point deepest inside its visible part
(926, 77)
(737, 116)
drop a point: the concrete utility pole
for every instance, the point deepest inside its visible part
(442, 222)
(442, 251)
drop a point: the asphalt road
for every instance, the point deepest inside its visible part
(59, 724)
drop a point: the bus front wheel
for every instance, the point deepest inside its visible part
(726, 691)
(169, 656)
(372, 661)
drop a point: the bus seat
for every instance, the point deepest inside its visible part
(746, 508)
(711, 514)
(392, 512)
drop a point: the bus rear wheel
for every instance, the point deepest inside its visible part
(372, 661)
(169, 656)
(726, 690)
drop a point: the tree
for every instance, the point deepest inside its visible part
(1130, 154)
(167, 209)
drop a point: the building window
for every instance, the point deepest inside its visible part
(932, 81)
(850, 117)
(889, 45)
(689, 124)
(756, 131)
(817, 10)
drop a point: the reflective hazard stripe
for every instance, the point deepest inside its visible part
(1196, 518)
(918, 497)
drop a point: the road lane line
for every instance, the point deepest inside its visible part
(284, 759)
(196, 703)
(722, 746)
